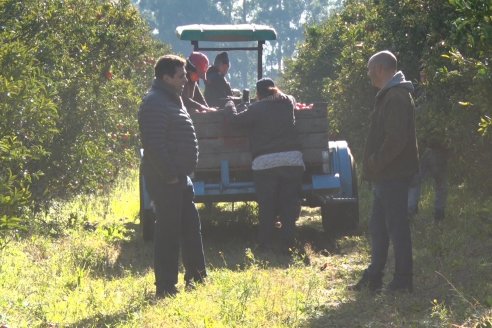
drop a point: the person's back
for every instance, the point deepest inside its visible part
(272, 125)
(277, 164)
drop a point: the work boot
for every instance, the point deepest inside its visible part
(164, 292)
(400, 285)
(191, 284)
(372, 283)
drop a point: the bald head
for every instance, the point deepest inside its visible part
(386, 59)
(381, 67)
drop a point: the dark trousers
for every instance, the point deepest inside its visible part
(278, 193)
(177, 224)
(434, 164)
(389, 222)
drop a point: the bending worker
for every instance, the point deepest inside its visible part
(277, 165)
(196, 69)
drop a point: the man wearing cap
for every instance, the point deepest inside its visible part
(196, 69)
(277, 165)
(217, 88)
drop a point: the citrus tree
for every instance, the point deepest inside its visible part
(72, 76)
(450, 38)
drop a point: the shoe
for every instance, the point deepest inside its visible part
(191, 284)
(161, 293)
(372, 283)
(400, 286)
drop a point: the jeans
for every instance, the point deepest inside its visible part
(278, 193)
(177, 226)
(434, 163)
(389, 222)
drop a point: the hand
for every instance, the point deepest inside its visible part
(241, 107)
(204, 109)
(172, 181)
(229, 105)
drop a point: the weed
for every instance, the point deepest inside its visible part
(83, 264)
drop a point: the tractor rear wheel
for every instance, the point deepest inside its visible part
(342, 217)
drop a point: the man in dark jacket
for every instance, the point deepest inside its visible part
(277, 161)
(217, 89)
(170, 156)
(390, 160)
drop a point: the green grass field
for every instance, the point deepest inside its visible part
(84, 264)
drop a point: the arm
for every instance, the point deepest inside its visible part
(199, 98)
(193, 98)
(244, 117)
(154, 123)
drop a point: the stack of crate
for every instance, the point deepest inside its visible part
(219, 140)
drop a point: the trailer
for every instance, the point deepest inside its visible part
(224, 174)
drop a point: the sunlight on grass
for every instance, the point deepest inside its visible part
(84, 264)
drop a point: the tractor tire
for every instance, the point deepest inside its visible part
(343, 217)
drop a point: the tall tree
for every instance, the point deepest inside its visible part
(72, 74)
(289, 19)
(286, 16)
(452, 38)
(165, 16)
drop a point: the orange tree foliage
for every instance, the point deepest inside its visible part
(72, 74)
(453, 39)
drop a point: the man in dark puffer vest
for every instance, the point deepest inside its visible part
(170, 156)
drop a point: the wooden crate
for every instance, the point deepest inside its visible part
(219, 140)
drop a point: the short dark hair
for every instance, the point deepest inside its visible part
(265, 87)
(386, 59)
(167, 65)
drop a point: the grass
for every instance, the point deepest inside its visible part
(84, 264)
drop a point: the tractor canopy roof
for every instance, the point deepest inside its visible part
(226, 33)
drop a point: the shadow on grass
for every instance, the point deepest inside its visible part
(379, 311)
(451, 280)
(105, 320)
(229, 234)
